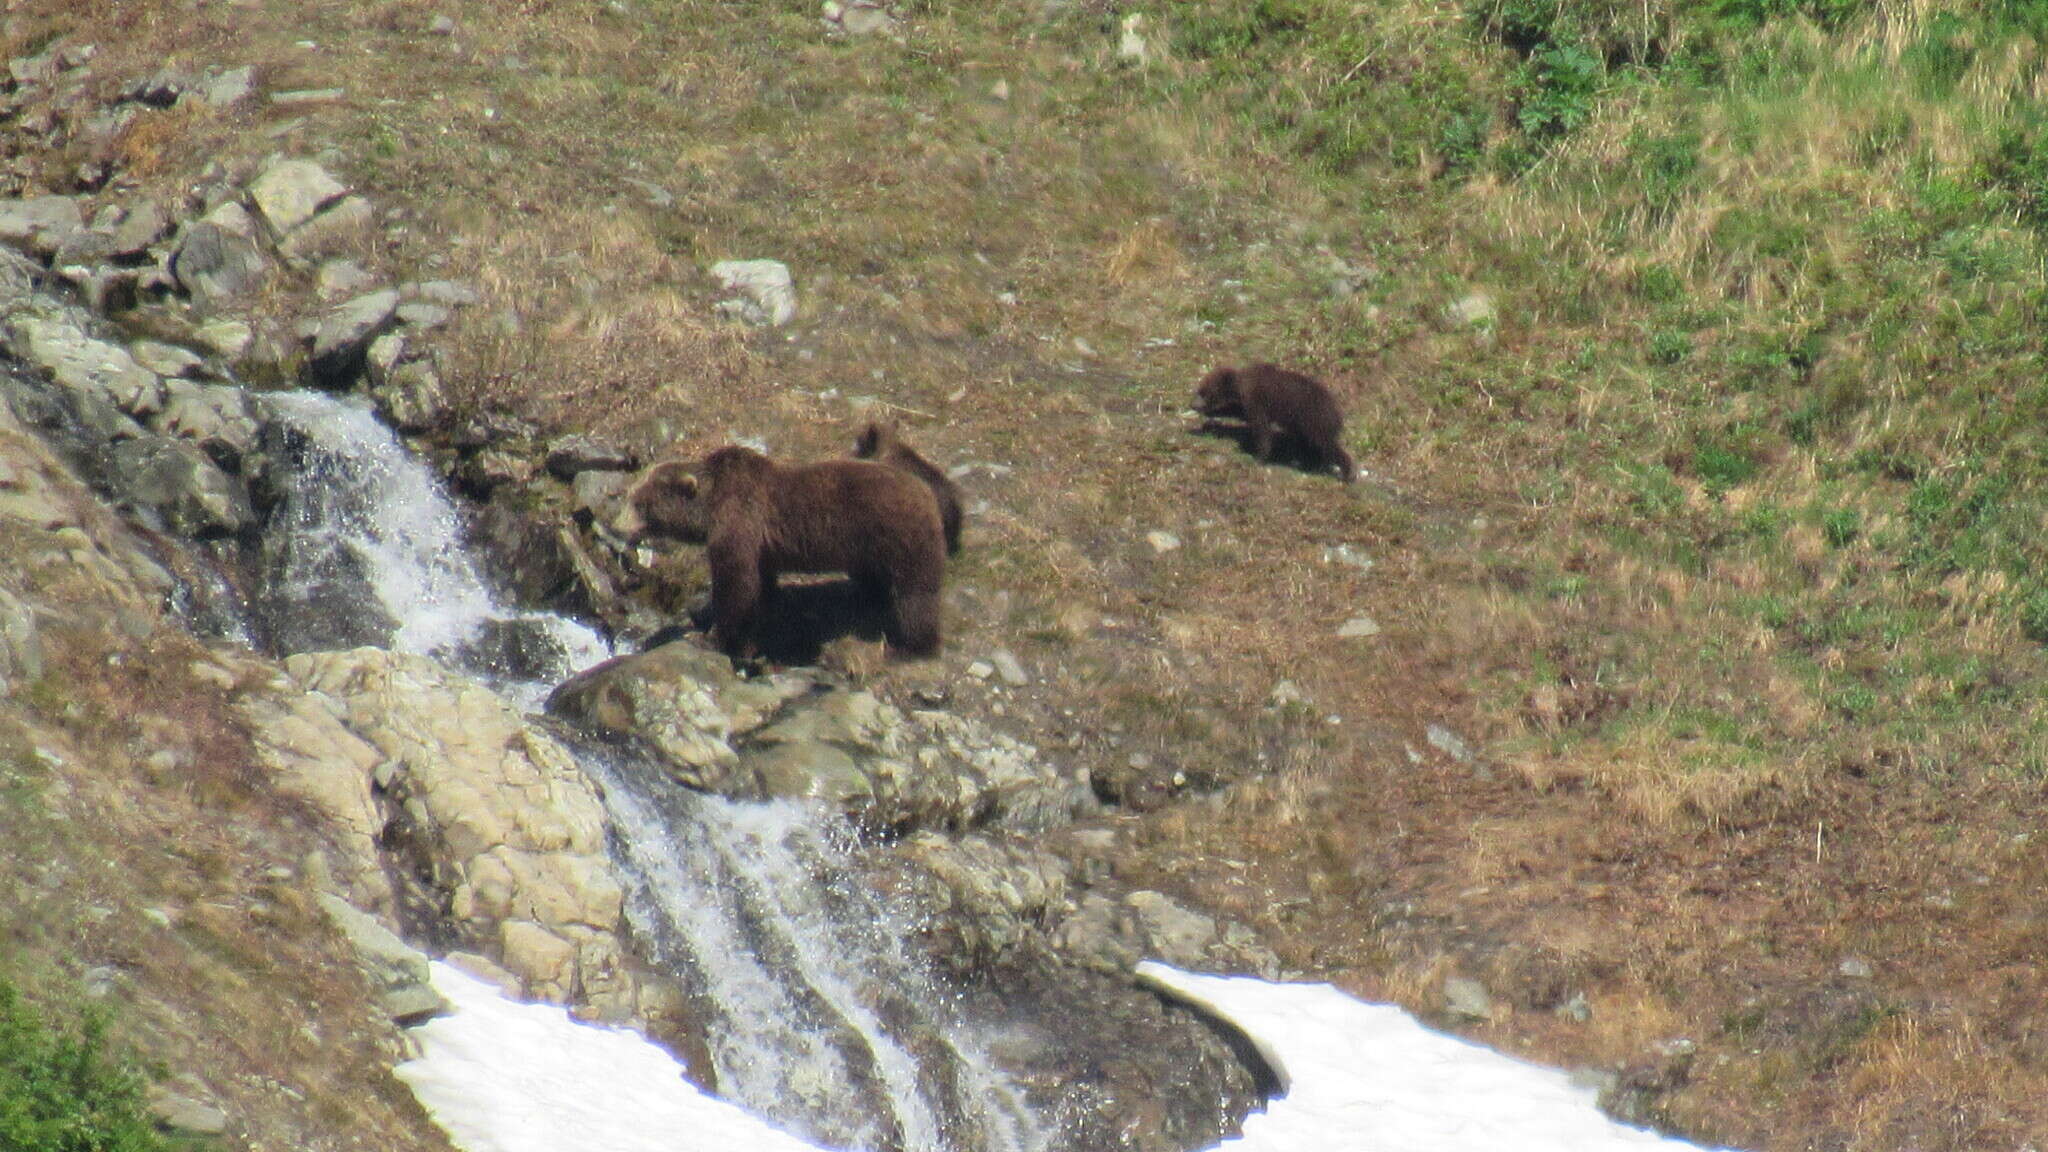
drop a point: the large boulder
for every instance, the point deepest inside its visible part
(39, 225)
(493, 819)
(291, 192)
(77, 361)
(194, 497)
(342, 343)
(791, 736)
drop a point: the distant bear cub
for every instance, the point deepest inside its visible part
(758, 519)
(884, 442)
(1267, 396)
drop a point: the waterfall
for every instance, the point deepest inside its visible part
(821, 1018)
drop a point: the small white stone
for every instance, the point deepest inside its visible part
(981, 670)
(1162, 541)
(1358, 628)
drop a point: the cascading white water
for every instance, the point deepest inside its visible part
(823, 1021)
(359, 505)
(817, 1001)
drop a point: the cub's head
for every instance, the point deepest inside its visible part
(1217, 395)
(667, 500)
(875, 439)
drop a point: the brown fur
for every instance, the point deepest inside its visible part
(758, 519)
(1268, 396)
(882, 441)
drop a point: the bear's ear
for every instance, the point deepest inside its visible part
(870, 438)
(687, 485)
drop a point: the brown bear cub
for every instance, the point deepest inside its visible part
(759, 518)
(882, 441)
(1267, 396)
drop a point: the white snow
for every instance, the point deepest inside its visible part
(1362, 1077)
(501, 1076)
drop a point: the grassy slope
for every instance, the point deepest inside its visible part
(1722, 543)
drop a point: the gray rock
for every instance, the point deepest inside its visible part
(185, 1105)
(442, 25)
(230, 88)
(229, 339)
(412, 398)
(291, 192)
(767, 293)
(1576, 1009)
(169, 361)
(1358, 628)
(1131, 45)
(21, 644)
(218, 418)
(447, 293)
(1177, 935)
(340, 344)
(309, 96)
(333, 229)
(570, 456)
(1472, 310)
(599, 493)
(338, 278)
(141, 225)
(789, 736)
(422, 316)
(1162, 542)
(399, 971)
(161, 89)
(194, 497)
(83, 364)
(217, 264)
(858, 18)
(1448, 742)
(1856, 968)
(1009, 668)
(981, 669)
(1348, 556)
(18, 277)
(1467, 998)
(384, 356)
(39, 225)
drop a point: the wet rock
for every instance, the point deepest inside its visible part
(495, 818)
(411, 397)
(194, 497)
(217, 418)
(39, 225)
(397, 970)
(81, 363)
(343, 338)
(767, 294)
(787, 735)
(291, 192)
(989, 899)
(569, 456)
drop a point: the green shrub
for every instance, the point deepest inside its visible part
(63, 1090)
(2034, 615)
(1841, 527)
(1669, 346)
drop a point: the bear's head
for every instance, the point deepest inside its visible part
(668, 500)
(1217, 395)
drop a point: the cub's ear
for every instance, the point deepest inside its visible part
(677, 477)
(687, 484)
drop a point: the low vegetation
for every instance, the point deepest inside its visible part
(1710, 519)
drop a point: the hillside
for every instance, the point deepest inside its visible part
(1692, 352)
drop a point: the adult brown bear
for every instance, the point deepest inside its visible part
(1268, 396)
(882, 441)
(758, 519)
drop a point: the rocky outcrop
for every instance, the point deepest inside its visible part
(791, 735)
(492, 828)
